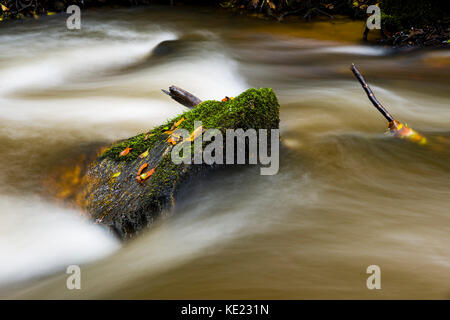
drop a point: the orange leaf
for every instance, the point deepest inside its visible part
(171, 141)
(403, 131)
(195, 134)
(142, 168)
(125, 152)
(143, 177)
(179, 122)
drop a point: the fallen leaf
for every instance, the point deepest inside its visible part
(143, 177)
(50, 13)
(172, 141)
(174, 138)
(227, 99)
(143, 155)
(197, 132)
(404, 132)
(125, 152)
(142, 168)
(179, 122)
(115, 175)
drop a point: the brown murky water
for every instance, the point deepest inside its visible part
(346, 195)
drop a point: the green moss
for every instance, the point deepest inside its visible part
(254, 108)
(138, 145)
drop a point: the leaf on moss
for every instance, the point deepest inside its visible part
(197, 132)
(172, 141)
(179, 122)
(145, 154)
(125, 152)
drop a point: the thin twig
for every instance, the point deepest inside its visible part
(370, 94)
(187, 99)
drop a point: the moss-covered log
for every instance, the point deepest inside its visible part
(116, 198)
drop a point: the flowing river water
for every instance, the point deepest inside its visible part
(346, 196)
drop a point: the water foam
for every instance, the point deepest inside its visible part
(37, 238)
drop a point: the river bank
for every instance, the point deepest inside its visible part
(404, 24)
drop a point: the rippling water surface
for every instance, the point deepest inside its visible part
(346, 195)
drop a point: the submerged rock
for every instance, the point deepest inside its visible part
(116, 196)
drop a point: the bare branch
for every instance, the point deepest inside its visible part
(370, 94)
(182, 96)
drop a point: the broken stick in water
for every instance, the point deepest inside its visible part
(396, 128)
(187, 99)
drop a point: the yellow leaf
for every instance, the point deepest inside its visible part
(115, 175)
(4, 8)
(402, 131)
(50, 13)
(143, 155)
(195, 134)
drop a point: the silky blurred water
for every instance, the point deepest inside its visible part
(346, 195)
